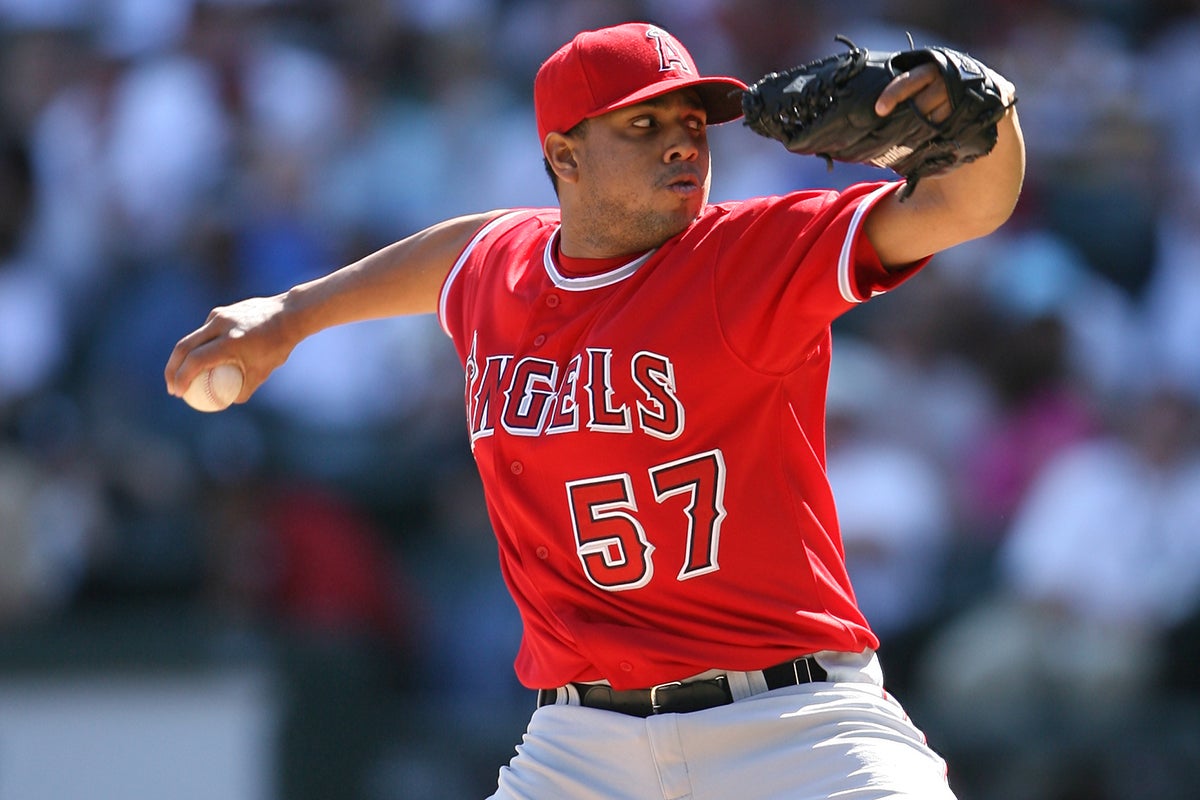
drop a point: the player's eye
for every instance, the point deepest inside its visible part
(644, 122)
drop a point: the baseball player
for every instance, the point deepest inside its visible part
(644, 390)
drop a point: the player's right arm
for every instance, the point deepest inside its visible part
(258, 334)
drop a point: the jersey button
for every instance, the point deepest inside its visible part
(539, 340)
(543, 552)
(625, 666)
(516, 467)
(552, 300)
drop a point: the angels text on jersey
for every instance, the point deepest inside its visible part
(595, 389)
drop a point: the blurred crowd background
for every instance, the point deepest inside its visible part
(1012, 435)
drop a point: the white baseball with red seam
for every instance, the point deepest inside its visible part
(215, 389)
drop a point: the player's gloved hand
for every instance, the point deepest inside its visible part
(829, 108)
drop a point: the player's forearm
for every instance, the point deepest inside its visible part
(983, 194)
(967, 203)
(403, 278)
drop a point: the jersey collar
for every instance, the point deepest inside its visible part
(583, 283)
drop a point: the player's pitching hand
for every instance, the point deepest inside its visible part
(249, 334)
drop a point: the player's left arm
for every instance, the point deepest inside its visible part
(969, 202)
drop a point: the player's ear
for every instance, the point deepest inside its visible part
(559, 151)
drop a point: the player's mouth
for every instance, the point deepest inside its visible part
(684, 181)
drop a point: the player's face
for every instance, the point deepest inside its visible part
(644, 170)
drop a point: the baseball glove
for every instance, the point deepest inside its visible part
(827, 108)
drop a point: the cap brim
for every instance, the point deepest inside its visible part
(721, 96)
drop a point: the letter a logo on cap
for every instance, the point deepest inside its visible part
(669, 57)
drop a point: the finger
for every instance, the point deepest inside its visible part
(934, 103)
(189, 358)
(903, 86)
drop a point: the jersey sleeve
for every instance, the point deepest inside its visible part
(791, 265)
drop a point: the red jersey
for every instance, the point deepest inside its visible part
(651, 436)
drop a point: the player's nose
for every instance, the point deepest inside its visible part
(683, 144)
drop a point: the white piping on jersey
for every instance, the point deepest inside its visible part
(587, 282)
(462, 259)
(845, 284)
(618, 274)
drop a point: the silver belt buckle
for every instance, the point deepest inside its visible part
(807, 669)
(654, 704)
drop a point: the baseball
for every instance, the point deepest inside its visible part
(215, 389)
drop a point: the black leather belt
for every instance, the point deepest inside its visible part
(680, 698)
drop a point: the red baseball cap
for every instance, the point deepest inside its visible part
(603, 70)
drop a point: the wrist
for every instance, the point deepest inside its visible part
(297, 316)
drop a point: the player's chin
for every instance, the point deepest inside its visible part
(683, 211)
(685, 201)
(651, 228)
